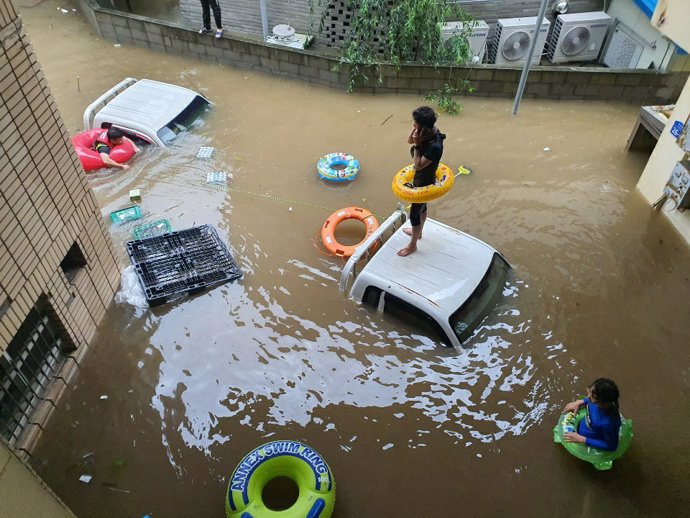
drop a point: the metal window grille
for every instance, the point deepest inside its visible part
(27, 367)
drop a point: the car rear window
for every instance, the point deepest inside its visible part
(468, 316)
(413, 316)
(184, 120)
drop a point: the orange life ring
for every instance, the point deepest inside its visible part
(329, 226)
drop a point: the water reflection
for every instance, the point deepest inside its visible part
(268, 367)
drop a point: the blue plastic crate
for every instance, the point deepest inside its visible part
(121, 216)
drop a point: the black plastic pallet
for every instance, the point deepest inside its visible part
(183, 261)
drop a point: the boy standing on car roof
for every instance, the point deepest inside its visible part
(426, 151)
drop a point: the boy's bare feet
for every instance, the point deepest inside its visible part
(404, 252)
(408, 231)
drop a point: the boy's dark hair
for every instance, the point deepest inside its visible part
(114, 133)
(424, 116)
(606, 391)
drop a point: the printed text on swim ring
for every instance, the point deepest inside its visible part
(274, 449)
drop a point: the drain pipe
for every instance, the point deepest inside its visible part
(264, 19)
(528, 63)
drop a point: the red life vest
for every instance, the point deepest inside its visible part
(103, 139)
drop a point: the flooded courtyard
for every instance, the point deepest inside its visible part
(409, 428)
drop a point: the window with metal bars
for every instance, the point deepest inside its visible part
(27, 367)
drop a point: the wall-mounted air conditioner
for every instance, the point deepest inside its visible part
(623, 48)
(512, 40)
(577, 37)
(476, 38)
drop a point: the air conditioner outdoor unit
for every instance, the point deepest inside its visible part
(512, 40)
(623, 48)
(577, 37)
(476, 39)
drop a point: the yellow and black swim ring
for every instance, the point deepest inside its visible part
(403, 189)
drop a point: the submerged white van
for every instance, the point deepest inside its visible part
(447, 286)
(146, 110)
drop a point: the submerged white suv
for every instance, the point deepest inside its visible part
(447, 286)
(146, 110)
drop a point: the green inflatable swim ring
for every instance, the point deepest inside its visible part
(601, 459)
(289, 459)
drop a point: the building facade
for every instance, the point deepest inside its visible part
(671, 17)
(58, 269)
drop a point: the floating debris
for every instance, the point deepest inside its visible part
(85, 479)
(121, 216)
(219, 177)
(153, 229)
(119, 463)
(205, 152)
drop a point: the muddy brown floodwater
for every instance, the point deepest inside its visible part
(600, 288)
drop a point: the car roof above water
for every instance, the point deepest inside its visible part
(444, 271)
(146, 103)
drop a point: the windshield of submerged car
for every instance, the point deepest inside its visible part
(468, 316)
(183, 120)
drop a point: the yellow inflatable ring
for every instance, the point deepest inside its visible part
(402, 182)
(290, 459)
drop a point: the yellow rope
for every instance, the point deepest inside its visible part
(462, 170)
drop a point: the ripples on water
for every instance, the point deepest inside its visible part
(269, 368)
(246, 355)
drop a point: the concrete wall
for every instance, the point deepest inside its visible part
(676, 14)
(46, 206)
(662, 161)
(244, 15)
(671, 17)
(658, 51)
(312, 66)
(23, 493)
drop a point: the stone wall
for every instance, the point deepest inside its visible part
(312, 66)
(46, 210)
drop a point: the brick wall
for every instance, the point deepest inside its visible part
(316, 67)
(46, 207)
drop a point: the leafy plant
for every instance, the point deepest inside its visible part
(404, 31)
(444, 99)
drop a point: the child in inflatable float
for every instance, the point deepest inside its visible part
(99, 148)
(426, 151)
(106, 141)
(592, 428)
(602, 422)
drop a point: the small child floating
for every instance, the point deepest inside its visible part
(346, 170)
(403, 188)
(600, 459)
(291, 459)
(91, 159)
(592, 428)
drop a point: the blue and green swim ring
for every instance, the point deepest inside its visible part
(347, 167)
(290, 459)
(600, 459)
